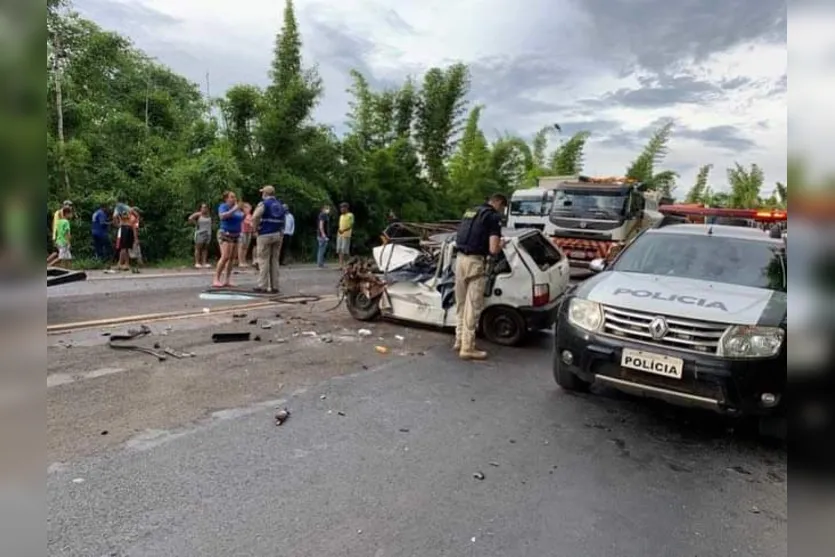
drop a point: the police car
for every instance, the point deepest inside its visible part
(692, 314)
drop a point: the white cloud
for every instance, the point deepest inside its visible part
(233, 40)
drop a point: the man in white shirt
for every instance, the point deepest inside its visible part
(289, 229)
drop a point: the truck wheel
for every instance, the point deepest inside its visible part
(361, 307)
(503, 326)
(567, 380)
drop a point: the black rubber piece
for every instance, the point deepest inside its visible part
(231, 337)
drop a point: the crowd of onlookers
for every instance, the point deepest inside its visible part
(240, 230)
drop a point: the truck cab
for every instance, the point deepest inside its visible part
(591, 217)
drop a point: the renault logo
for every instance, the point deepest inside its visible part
(658, 328)
(583, 224)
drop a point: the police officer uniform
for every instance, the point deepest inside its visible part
(473, 246)
(269, 218)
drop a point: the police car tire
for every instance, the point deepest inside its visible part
(494, 317)
(361, 308)
(567, 380)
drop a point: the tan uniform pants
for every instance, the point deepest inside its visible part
(470, 280)
(268, 248)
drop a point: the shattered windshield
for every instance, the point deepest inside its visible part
(589, 204)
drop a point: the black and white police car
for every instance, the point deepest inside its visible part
(692, 314)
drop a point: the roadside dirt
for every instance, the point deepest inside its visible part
(99, 398)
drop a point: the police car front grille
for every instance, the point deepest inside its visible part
(682, 334)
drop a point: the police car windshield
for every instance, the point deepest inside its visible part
(712, 258)
(588, 204)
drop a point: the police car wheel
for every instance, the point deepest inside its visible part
(361, 307)
(503, 326)
(567, 380)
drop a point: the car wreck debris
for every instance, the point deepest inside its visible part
(281, 416)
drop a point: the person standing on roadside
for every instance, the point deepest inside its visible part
(135, 253)
(343, 236)
(268, 220)
(289, 230)
(231, 221)
(246, 236)
(479, 237)
(63, 257)
(58, 215)
(202, 220)
(322, 228)
(124, 235)
(100, 229)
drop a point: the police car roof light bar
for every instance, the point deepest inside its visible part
(760, 215)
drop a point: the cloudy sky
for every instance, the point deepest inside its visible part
(613, 67)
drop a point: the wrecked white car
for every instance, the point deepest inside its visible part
(524, 285)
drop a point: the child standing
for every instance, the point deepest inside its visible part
(63, 257)
(246, 236)
(135, 253)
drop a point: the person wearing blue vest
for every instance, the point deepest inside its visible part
(268, 220)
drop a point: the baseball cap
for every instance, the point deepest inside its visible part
(269, 190)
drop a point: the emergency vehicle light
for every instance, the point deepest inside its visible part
(689, 210)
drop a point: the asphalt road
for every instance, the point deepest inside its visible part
(383, 462)
(563, 475)
(107, 296)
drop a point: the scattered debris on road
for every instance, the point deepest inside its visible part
(381, 349)
(479, 475)
(281, 416)
(494, 464)
(404, 430)
(340, 413)
(115, 342)
(364, 333)
(231, 337)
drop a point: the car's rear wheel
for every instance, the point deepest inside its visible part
(567, 380)
(503, 325)
(361, 307)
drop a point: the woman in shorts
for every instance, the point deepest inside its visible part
(202, 219)
(231, 221)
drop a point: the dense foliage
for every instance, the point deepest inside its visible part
(122, 127)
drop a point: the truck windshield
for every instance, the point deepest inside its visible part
(712, 258)
(528, 206)
(589, 204)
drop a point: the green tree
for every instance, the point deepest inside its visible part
(470, 168)
(440, 113)
(700, 190)
(645, 168)
(567, 159)
(745, 186)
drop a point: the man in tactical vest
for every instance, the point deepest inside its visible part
(268, 219)
(479, 237)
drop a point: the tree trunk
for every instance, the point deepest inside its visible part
(59, 107)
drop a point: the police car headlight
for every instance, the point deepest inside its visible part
(585, 314)
(742, 341)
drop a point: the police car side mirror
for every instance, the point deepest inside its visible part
(597, 265)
